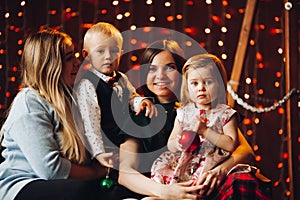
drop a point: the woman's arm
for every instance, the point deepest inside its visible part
(91, 172)
(173, 141)
(242, 154)
(131, 178)
(137, 182)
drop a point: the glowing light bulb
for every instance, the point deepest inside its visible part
(248, 80)
(115, 3)
(133, 27)
(207, 30)
(6, 15)
(224, 56)
(152, 18)
(220, 43)
(119, 16)
(223, 29)
(167, 4)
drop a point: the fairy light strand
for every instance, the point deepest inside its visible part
(251, 108)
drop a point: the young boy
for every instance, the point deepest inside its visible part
(103, 92)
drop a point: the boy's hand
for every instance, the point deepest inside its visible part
(106, 159)
(151, 110)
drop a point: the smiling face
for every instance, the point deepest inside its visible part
(70, 65)
(103, 52)
(202, 87)
(163, 77)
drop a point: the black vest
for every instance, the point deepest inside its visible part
(113, 111)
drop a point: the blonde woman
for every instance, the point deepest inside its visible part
(44, 157)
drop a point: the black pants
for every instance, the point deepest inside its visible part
(62, 189)
(70, 189)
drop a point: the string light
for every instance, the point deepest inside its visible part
(152, 18)
(251, 108)
(167, 4)
(115, 3)
(149, 2)
(133, 27)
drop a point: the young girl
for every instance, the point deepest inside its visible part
(205, 130)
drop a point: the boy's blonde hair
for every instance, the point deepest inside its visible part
(217, 70)
(42, 66)
(106, 29)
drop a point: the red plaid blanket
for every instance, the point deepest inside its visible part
(243, 186)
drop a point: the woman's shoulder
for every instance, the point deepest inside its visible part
(27, 103)
(28, 100)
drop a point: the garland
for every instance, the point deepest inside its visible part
(260, 110)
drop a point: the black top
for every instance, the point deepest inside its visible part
(153, 134)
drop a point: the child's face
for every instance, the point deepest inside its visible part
(163, 77)
(202, 87)
(104, 53)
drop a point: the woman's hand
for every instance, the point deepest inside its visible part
(211, 179)
(180, 191)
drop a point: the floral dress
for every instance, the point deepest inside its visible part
(171, 167)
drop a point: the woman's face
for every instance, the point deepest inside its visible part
(163, 77)
(70, 66)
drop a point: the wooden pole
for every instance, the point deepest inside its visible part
(288, 103)
(241, 48)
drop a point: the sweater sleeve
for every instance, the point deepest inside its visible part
(34, 130)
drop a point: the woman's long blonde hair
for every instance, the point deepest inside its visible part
(42, 65)
(217, 70)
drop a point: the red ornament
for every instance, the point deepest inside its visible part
(189, 140)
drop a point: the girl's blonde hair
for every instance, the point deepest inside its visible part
(217, 70)
(42, 65)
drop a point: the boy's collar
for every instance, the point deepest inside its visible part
(103, 76)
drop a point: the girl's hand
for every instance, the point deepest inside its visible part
(180, 191)
(151, 110)
(211, 179)
(200, 126)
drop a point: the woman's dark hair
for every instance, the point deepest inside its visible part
(150, 52)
